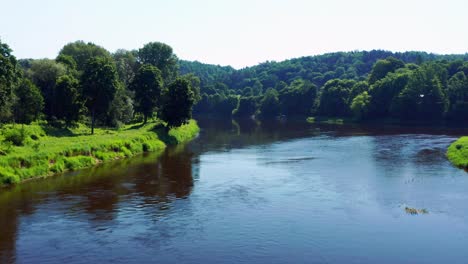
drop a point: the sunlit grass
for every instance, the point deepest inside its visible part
(46, 151)
(457, 153)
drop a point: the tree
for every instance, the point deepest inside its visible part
(44, 73)
(270, 106)
(147, 85)
(28, 102)
(9, 77)
(247, 107)
(298, 98)
(121, 110)
(334, 99)
(99, 84)
(423, 96)
(384, 91)
(81, 52)
(383, 67)
(178, 100)
(69, 105)
(161, 56)
(127, 65)
(360, 105)
(457, 93)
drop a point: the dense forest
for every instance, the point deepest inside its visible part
(88, 84)
(363, 85)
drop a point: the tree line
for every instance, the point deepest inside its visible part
(362, 85)
(87, 83)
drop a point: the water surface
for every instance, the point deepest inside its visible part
(244, 192)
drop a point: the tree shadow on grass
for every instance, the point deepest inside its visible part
(58, 132)
(163, 134)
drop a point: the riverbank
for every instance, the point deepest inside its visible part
(457, 153)
(38, 150)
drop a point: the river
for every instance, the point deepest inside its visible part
(245, 192)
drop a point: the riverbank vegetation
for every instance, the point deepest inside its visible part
(457, 153)
(40, 150)
(374, 85)
(86, 84)
(89, 106)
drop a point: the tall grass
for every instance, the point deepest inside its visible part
(44, 150)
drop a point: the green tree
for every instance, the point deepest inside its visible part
(69, 104)
(423, 97)
(161, 56)
(28, 102)
(178, 100)
(127, 65)
(9, 77)
(44, 74)
(334, 99)
(384, 91)
(81, 52)
(99, 84)
(360, 105)
(383, 67)
(298, 98)
(121, 110)
(247, 107)
(270, 106)
(195, 83)
(457, 93)
(147, 84)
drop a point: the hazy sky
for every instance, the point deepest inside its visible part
(238, 33)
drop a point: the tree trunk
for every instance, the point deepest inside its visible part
(93, 119)
(145, 119)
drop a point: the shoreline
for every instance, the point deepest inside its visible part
(52, 155)
(457, 153)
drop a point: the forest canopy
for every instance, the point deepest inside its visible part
(87, 83)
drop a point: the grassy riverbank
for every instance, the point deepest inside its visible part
(457, 153)
(38, 150)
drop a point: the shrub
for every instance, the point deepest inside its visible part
(16, 136)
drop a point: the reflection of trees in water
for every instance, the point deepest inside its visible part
(172, 176)
(97, 192)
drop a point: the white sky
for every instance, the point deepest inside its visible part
(238, 33)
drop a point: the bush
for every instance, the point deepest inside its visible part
(16, 136)
(8, 177)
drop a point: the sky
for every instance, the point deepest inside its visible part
(239, 33)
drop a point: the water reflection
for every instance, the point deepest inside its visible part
(312, 176)
(96, 194)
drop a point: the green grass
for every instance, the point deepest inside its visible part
(39, 150)
(457, 153)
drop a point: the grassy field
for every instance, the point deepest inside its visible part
(457, 153)
(37, 150)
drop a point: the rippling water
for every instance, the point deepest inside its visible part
(245, 192)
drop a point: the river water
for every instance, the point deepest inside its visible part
(245, 192)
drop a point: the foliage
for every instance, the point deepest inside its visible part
(270, 105)
(82, 52)
(147, 85)
(360, 105)
(44, 74)
(457, 152)
(9, 76)
(177, 103)
(99, 81)
(161, 56)
(57, 150)
(29, 102)
(69, 104)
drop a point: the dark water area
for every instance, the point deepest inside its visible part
(248, 192)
